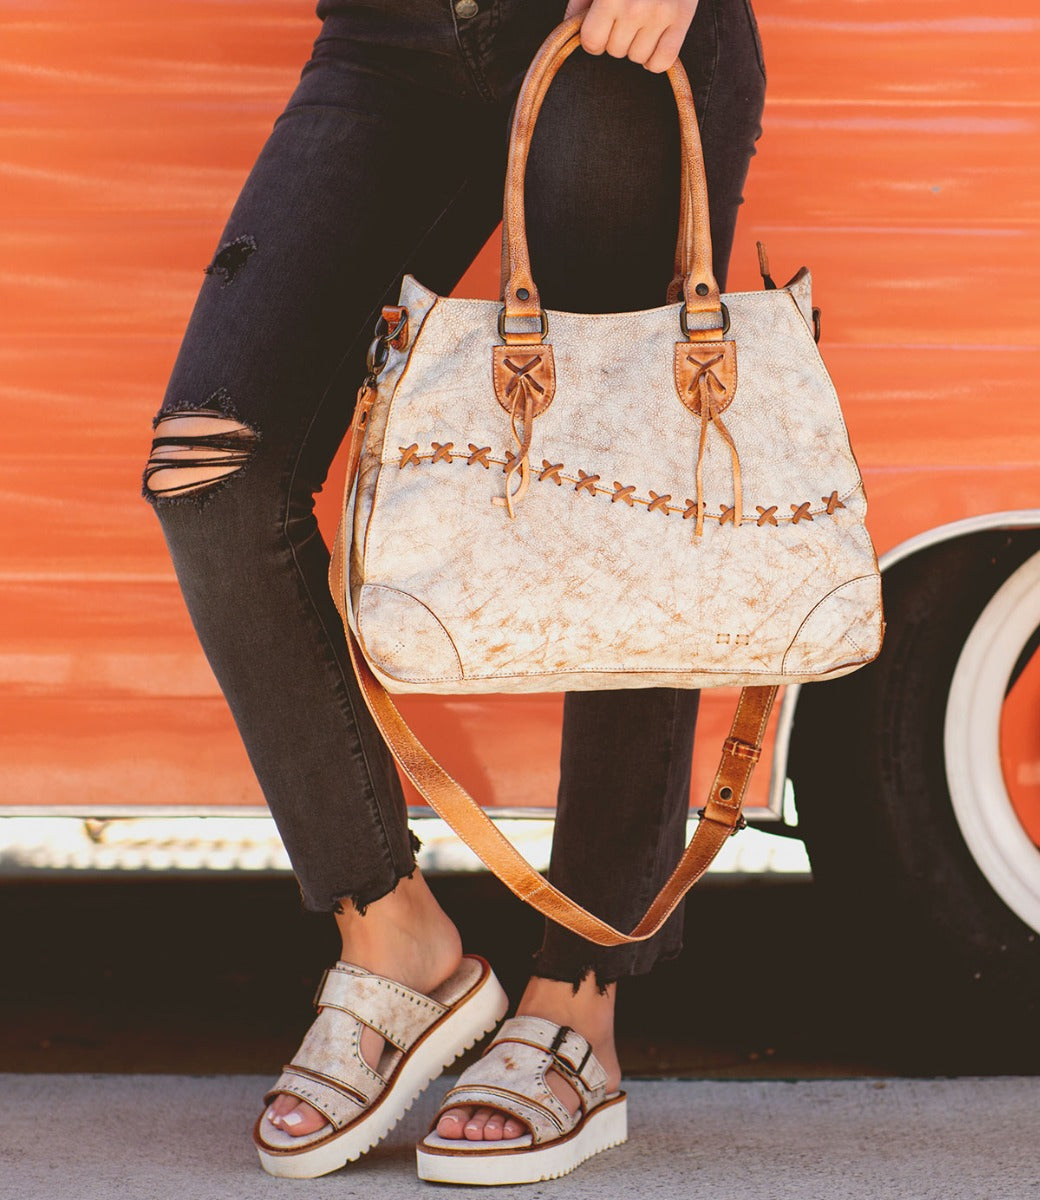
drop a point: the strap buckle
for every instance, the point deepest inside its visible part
(741, 822)
(738, 749)
(721, 330)
(320, 988)
(543, 325)
(557, 1044)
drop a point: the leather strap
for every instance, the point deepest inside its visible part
(520, 295)
(460, 811)
(721, 815)
(683, 239)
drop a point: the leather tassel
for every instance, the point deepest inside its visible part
(525, 400)
(705, 417)
(710, 413)
(738, 490)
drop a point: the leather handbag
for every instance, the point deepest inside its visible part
(549, 501)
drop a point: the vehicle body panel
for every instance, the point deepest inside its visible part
(897, 163)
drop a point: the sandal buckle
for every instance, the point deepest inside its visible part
(556, 1046)
(559, 1039)
(320, 988)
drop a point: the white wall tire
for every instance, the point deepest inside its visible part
(912, 837)
(999, 844)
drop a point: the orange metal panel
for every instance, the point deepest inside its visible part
(897, 161)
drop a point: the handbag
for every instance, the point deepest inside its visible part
(546, 501)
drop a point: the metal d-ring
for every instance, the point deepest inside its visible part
(684, 324)
(383, 330)
(542, 319)
(378, 353)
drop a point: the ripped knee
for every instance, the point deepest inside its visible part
(195, 450)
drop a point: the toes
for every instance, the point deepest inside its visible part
(294, 1116)
(453, 1122)
(476, 1124)
(474, 1129)
(493, 1127)
(512, 1128)
(501, 1126)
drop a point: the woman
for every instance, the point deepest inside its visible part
(390, 158)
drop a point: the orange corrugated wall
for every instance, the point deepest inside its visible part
(898, 162)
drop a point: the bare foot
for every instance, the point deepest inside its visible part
(405, 936)
(588, 1012)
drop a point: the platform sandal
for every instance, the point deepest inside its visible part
(423, 1034)
(510, 1077)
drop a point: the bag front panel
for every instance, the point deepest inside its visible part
(601, 579)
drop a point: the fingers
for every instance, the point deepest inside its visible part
(649, 32)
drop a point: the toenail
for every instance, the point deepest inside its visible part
(293, 1118)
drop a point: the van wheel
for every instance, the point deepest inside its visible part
(917, 779)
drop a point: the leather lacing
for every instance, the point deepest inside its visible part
(523, 388)
(706, 381)
(693, 509)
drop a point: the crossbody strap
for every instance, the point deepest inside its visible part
(720, 817)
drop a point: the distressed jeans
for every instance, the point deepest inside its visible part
(389, 157)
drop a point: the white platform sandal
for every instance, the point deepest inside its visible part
(424, 1034)
(510, 1076)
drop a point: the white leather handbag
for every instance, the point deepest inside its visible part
(556, 501)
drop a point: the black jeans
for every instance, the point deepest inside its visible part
(389, 158)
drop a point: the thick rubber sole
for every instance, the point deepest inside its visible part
(489, 1164)
(456, 1032)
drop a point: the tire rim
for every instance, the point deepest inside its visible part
(998, 843)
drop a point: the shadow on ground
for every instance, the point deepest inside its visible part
(216, 976)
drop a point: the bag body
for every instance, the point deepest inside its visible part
(600, 580)
(545, 501)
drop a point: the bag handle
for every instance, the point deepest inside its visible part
(694, 260)
(720, 818)
(683, 238)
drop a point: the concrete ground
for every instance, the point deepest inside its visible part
(141, 1021)
(149, 1137)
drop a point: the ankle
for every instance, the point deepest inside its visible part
(404, 934)
(588, 1010)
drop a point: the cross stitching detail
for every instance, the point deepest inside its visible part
(551, 471)
(586, 481)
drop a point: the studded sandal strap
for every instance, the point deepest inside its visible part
(567, 1048)
(511, 1076)
(545, 1120)
(336, 1101)
(398, 1013)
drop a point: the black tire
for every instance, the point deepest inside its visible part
(868, 767)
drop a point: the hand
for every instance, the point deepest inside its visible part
(649, 32)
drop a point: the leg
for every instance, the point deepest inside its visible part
(258, 401)
(628, 752)
(624, 753)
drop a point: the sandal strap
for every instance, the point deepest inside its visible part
(566, 1046)
(337, 1103)
(545, 1123)
(510, 1075)
(328, 1070)
(398, 1013)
